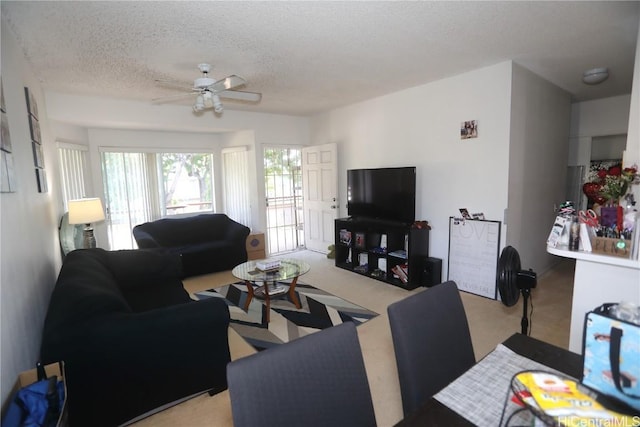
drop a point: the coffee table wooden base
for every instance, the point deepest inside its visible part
(263, 293)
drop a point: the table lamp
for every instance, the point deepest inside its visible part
(86, 211)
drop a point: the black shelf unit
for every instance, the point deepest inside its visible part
(358, 239)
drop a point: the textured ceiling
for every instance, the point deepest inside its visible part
(308, 57)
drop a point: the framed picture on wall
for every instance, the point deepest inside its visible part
(38, 156)
(469, 129)
(32, 107)
(41, 178)
(7, 173)
(34, 127)
(3, 108)
(5, 138)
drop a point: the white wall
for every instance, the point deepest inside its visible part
(421, 127)
(632, 154)
(589, 119)
(538, 155)
(29, 251)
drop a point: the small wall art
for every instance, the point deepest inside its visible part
(469, 129)
(38, 156)
(7, 171)
(32, 107)
(41, 179)
(36, 141)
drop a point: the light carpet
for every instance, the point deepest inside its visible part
(319, 310)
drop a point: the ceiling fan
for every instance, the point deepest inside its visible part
(208, 91)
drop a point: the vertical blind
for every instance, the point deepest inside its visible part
(73, 164)
(235, 167)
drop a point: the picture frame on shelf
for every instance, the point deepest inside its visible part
(345, 237)
(360, 241)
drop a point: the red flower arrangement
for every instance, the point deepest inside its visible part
(610, 184)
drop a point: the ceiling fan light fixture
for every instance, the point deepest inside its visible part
(199, 105)
(208, 101)
(217, 104)
(595, 76)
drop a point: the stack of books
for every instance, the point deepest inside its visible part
(268, 264)
(400, 271)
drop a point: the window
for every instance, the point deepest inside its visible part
(187, 179)
(141, 187)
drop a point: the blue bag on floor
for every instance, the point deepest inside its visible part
(611, 350)
(36, 405)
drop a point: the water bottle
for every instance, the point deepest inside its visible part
(574, 234)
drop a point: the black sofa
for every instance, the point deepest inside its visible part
(207, 242)
(131, 337)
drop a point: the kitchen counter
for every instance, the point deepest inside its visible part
(598, 279)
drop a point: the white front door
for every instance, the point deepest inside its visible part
(320, 190)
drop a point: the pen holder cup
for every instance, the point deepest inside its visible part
(612, 247)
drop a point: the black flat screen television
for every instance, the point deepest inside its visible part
(383, 193)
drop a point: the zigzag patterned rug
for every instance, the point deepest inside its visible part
(319, 310)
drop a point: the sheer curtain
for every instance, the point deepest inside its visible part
(235, 167)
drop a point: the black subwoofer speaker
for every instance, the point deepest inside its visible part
(432, 273)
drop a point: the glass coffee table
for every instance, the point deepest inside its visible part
(289, 269)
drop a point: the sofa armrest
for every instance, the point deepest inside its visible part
(132, 363)
(144, 239)
(237, 232)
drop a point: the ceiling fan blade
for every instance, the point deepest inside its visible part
(241, 95)
(172, 98)
(176, 84)
(227, 83)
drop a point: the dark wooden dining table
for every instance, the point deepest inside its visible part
(435, 413)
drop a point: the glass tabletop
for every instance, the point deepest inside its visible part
(289, 269)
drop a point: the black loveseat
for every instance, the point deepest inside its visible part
(207, 242)
(131, 337)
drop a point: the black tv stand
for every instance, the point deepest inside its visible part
(359, 248)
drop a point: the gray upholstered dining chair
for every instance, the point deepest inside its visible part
(317, 380)
(431, 341)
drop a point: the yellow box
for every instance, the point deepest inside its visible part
(31, 376)
(612, 247)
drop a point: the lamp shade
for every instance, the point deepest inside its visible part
(85, 211)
